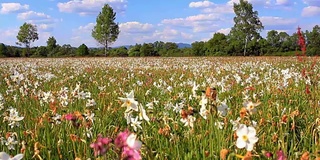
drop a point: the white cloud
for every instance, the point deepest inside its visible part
(135, 27)
(86, 28)
(284, 2)
(264, 3)
(277, 21)
(203, 17)
(31, 15)
(225, 31)
(198, 23)
(12, 7)
(310, 11)
(43, 21)
(200, 4)
(86, 7)
(312, 2)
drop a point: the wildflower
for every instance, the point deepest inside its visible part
(280, 155)
(250, 106)
(142, 114)
(219, 124)
(129, 102)
(305, 156)
(5, 156)
(10, 142)
(188, 121)
(132, 142)
(235, 124)
(13, 117)
(222, 109)
(91, 103)
(224, 153)
(135, 123)
(243, 112)
(246, 137)
(69, 117)
(130, 154)
(121, 138)
(101, 145)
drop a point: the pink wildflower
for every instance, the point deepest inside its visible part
(281, 155)
(101, 145)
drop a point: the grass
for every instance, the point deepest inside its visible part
(286, 119)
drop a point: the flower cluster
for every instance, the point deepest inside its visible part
(126, 144)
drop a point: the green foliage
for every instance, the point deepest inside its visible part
(82, 50)
(41, 51)
(26, 35)
(216, 45)
(119, 52)
(198, 48)
(146, 50)
(247, 24)
(106, 31)
(3, 50)
(51, 43)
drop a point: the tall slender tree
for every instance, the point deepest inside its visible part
(247, 23)
(27, 34)
(106, 31)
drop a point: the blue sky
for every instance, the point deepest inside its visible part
(140, 21)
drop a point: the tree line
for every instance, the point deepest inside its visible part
(243, 39)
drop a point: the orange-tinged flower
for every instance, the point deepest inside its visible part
(243, 112)
(224, 153)
(305, 156)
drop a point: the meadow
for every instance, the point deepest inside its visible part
(160, 108)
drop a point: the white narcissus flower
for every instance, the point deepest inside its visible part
(251, 107)
(246, 137)
(5, 156)
(135, 123)
(223, 109)
(129, 102)
(188, 121)
(143, 114)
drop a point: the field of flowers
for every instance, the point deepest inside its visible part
(160, 108)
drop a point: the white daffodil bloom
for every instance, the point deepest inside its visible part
(129, 102)
(246, 137)
(13, 117)
(188, 121)
(222, 109)
(142, 114)
(235, 124)
(5, 156)
(251, 107)
(135, 123)
(219, 124)
(10, 142)
(194, 89)
(91, 103)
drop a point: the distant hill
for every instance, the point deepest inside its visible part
(180, 45)
(183, 45)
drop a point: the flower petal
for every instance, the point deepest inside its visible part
(240, 143)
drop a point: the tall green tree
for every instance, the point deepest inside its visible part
(82, 50)
(106, 31)
(27, 34)
(247, 24)
(51, 43)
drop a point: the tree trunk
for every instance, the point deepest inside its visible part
(105, 48)
(245, 46)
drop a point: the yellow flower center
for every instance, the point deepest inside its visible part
(251, 107)
(245, 137)
(128, 103)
